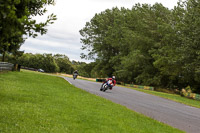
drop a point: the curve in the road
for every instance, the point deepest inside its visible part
(177, 115)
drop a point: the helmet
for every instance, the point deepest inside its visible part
(113, 77)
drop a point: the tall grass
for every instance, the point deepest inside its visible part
(31, 102)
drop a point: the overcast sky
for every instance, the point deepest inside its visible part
(63, 36)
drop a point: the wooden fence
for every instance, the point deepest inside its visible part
(5, 66)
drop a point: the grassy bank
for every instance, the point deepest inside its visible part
(33, 102)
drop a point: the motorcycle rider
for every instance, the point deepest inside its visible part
(113, 81)
(75, 73)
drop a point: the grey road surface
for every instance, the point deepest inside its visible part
(177, 115)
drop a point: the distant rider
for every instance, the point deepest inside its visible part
(113, 81)
(75, 73)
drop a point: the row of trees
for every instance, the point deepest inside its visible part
(47, 62)
(149, 45)
(17, 22)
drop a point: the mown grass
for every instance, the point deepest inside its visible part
(31, 102)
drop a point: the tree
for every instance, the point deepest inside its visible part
(149, 45)
(17, 20)
(102, 36)
(63, 63)
(122, 38)
(190, 42)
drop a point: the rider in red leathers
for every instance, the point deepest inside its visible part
(113, 81)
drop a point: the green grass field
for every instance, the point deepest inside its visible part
(32, 102)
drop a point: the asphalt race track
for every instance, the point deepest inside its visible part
(177, 115)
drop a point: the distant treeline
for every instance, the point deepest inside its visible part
(147, 45)
(47, 62)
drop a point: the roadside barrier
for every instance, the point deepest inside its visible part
(193, 96)
(139, 86)
(190, 95)
(100, 80)
(27, 68)
(5, 66)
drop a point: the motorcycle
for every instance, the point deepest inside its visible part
(106, 85)
(75, 76)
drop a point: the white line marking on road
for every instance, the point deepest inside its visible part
(68, 81)
(65, 79)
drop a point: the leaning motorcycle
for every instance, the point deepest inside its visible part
(106, 85)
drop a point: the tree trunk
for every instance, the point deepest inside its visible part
(3, 58)
(15, 67)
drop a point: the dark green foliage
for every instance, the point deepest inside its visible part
(87, 70)
(63, 63)
(47, 62)
(149, 45)
(17, 20)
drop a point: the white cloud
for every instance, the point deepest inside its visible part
(53, 44)
(63, 36)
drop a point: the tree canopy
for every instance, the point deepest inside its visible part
(149, 45)
(17, 20)
(48, 62)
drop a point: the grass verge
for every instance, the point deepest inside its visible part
(174, 97)
(33, 102)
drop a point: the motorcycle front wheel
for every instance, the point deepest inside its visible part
(105, 88)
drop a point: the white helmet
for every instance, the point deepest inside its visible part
(113, 77)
